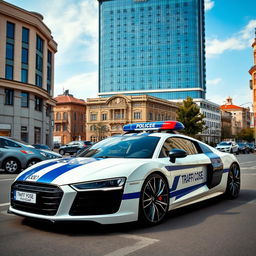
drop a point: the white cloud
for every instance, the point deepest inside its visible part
(74, 25)
(215, 81)
(239, 41)
(82, 86)
(208, 5)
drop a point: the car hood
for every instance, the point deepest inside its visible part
(50, 152)
(75, 170)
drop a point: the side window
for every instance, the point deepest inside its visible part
(204, 148)
(180, 143)
(11, 144)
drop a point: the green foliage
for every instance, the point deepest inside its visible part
(189, 114)
(246, 134)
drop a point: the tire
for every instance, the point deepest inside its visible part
(11, 166)
(62, 152)
(32, 162)
(233, 183)
(154, 200)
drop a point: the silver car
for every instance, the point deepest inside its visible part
(15, 155)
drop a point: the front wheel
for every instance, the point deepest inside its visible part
(62, 152)
(11, 165)
(154, 200)
(233, 184)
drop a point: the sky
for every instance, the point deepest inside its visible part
(229, 29)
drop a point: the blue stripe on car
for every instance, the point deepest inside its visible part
(24, 176)
(131, 196)
(55, 173)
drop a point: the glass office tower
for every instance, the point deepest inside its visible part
(153, 47)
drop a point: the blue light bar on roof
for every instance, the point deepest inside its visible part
(154, 126)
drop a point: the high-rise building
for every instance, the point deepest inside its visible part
(153, 47)
(27, 51)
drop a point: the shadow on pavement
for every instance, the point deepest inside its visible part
(176, 219)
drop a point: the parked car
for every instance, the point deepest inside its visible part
(41, 146)
(56, 144)
(251, 147)
(228, 146)
(243, 148)
(73, 146)
(16, 155)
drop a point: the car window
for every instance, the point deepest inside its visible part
(124, 147)
(10, 143)
(180, 143)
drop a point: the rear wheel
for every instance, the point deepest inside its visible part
(62, 152)
(154, 200)
(11, 165)
(233, 184)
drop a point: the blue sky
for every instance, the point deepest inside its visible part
(229, 26)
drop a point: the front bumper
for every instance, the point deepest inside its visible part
(127, 210)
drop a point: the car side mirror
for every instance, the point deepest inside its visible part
(177, 153)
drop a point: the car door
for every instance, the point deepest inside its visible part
(188, 175)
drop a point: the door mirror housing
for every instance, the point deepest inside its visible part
(177, 153)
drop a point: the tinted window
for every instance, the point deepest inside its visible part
(9, 143)
(179, 143)
(124, 147)
(204, 148)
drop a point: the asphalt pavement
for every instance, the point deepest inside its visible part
(213, 227)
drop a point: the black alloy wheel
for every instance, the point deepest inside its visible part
(234, 182)
(154, 200)
(11, 165)
(32, 162)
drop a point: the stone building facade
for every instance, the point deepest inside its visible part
(106, 116)
(27, 53)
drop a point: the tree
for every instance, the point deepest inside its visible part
(101, 130)
(189, 114)
(246, 134)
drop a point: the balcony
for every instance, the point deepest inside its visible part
(62, 121)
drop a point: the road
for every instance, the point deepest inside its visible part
(214, 227)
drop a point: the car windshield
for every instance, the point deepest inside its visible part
(40, 146)
(241, 144)
(224, 143)
(139, 146)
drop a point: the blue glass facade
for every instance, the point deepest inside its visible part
(153, 47)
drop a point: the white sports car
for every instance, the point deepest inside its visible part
(140, 175)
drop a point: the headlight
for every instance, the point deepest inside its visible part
(47, 155)
(110, 184)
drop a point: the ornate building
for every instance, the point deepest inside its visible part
(69, 118)
(240, 116)
(27, 53)
(106, 116)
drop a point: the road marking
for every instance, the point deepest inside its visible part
(5, 204)
(5, 179)
(252, 202)
(142, 243)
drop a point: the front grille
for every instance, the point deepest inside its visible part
(48, 198)
(96, 202)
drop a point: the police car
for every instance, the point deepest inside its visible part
(139, 175)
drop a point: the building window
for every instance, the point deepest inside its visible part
(38, 103)
(74, 115)
(9, 51)
(24, 56)
(49, 71)
(137, 115)
(9, 72)
(8, 97)
(24, 99)
(39, 44)
(39, 80)
(24, 75)
(65, 127)
(65, 116)
(93, 117)
(10, 30)
(25, 35)
(104, 117)
(150, 116)
(58, 128)
(48, 110)
(37, 135)
(58, 116)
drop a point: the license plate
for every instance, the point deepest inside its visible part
(25, 197)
